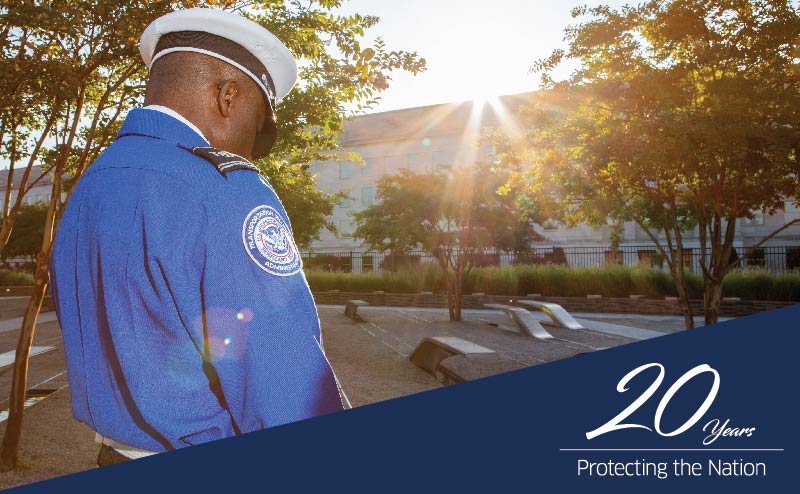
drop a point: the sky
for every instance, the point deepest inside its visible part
(473, 48)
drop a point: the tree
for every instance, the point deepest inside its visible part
(26, 239)
(683, 114)
(457, 215)
(71, 69)
(308, 209)
(73, 61)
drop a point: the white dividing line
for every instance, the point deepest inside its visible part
(392, 336)
(49, 379)
(8, 357)
(30, 402)
(48, 340)
(395, 350)
(5, 402)
(15, 323)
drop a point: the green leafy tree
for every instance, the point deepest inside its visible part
(683, 115)
(73, 63)
(457, 215)
(71, 70)
(308, 209)
(26, 239)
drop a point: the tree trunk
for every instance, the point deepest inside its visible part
(712, 298)
(6, 226)
(458, 289)
(683, 294)
(10, 446)
(450, 298)
(8, 452)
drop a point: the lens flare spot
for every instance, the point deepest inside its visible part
(227, 341)
(426, 141)
(245, 315)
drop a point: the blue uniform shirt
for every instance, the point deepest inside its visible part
(185, 313)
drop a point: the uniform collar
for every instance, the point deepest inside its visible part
(161, 125)
(174, 114)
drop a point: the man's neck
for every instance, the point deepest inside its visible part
(178, 116)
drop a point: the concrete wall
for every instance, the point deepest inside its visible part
(576, 304)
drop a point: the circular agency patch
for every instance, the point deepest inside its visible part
(269, 242)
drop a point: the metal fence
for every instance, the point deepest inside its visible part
(774, 259)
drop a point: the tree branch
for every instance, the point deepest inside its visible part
(755, 247)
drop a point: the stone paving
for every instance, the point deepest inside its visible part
(399, 330)
(662, 324)
(370, 358)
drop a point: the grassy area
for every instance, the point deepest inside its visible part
(15, 278)
(423, 278)
(613, 281)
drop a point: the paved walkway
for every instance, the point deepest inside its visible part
(13, 324)
(370, 358)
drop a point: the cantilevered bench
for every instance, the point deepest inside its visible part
(558, 314)
(524, 319)
(351, 308)
(432, 350)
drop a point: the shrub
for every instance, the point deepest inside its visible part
(399, 262)
(756, 284)
(328, 262)
(424, 278)
(557, 280)
(14, 278)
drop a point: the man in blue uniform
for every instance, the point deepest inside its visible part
(184, 309)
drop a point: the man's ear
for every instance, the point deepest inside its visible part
(226, 96)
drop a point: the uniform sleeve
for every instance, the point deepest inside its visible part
(260, 328)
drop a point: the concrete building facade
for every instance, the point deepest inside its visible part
(420, 139)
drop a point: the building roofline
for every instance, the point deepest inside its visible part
(435, 105)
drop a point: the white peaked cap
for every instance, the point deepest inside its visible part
(229, 37)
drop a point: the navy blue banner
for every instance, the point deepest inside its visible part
(710, 409)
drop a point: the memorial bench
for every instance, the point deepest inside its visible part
(432, 350)
(558, 314)
(351, 308)
(454, 360)
(524, 319)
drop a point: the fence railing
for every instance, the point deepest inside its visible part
(774, 259)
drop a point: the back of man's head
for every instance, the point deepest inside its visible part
(221, 100)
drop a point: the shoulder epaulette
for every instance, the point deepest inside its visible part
(224, 161)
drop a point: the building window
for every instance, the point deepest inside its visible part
(440, 158)
(367, 263)
(345, 200)
(550, 225)
(370, 167)
(756, 259)
(650, 258)
(394, 164)
(367, 196)
(346, 228)
(414, 163)
(793, 258)
(344, 169)
(791, 212)
(756, 220)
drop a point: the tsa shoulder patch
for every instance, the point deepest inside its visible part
(224, 161)
(269, 243)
